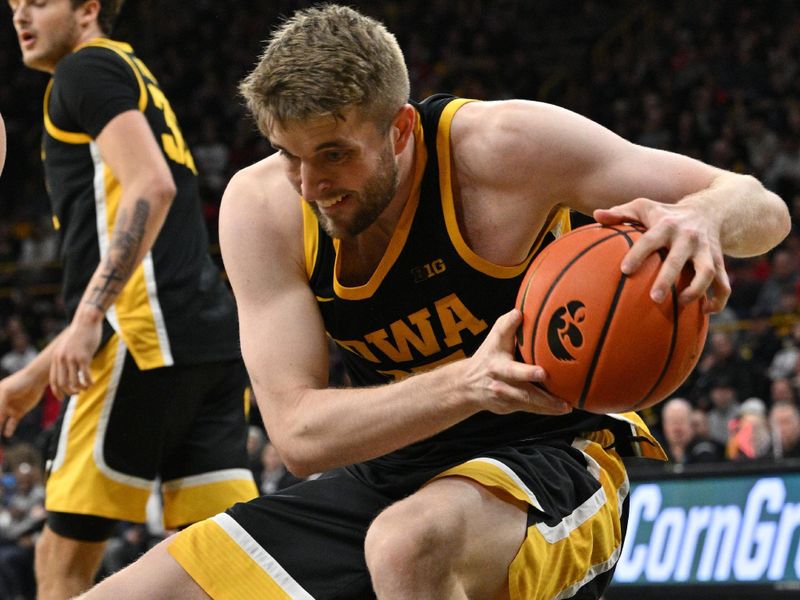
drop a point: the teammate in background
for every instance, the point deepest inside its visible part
(403, 230)
(149, 360)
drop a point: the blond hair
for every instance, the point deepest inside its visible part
(323, 60)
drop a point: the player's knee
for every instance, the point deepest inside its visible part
(57, 557)
(405, 543)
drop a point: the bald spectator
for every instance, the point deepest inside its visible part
(683, 445)
(784, 418)
(677, 428)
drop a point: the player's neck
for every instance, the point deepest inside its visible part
(87, 35)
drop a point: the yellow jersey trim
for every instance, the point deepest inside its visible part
(558, 222)
(122, 49)
(67, 137)
(71, 137)
(137, 322)
(647, 450)
(310, 237)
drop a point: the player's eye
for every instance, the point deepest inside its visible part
(335, 156)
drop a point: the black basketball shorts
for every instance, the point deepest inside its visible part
(307, 541)
(183, 424)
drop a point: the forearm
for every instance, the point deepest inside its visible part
(38, 370)
(752, 219)
(140, 216)
(327, 428)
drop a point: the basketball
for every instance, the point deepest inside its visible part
(606, 346)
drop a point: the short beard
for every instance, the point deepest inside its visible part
(376, 196)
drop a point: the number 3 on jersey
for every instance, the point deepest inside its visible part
(174, 145)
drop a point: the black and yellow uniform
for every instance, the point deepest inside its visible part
(169, 361)
(429, 301)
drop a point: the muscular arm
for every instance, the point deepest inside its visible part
(534, 156)
(130, 150)
(128, 147)
(284, 347)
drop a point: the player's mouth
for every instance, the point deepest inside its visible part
(26, 40)
(333, 201)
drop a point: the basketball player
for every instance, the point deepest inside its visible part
(403, 230)
(149, 358)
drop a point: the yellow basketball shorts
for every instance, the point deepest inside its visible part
(185, 425)
(308, 541)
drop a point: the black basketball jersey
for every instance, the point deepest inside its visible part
(431, 300)
(175, 308)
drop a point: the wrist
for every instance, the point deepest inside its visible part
(88, 314)
(453, 391)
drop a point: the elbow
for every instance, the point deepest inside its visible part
(298, 462)
(302, 448)
(163, 189)
(301, 453)
(780, 221)
(785, 220)
(300, 468)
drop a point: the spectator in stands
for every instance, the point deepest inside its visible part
(784, 419)
(683, 444)
(783, 390)
(762, 143)
(676, 428)
(759, 345)
(21, 519)
(211, 156)
(721, 360)
(784, 363)
(724, 407)
(39, 247)
(749, 436)
(21, 354)
(783, 278)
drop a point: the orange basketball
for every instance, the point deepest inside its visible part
(605, 344)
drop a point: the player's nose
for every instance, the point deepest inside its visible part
(313, 183)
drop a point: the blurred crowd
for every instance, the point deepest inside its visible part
(718, 81)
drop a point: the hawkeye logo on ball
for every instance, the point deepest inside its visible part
(563, 331)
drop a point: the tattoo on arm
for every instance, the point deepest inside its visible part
(121, 260)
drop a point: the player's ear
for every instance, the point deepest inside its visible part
(403, 127)
(88, 12)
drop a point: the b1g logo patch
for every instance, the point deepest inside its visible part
(564, 332)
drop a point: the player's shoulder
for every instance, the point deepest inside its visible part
(263, 180)
(263, 191)
(489, 139)
(261, 214)
(484, 119)
(86, 59)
